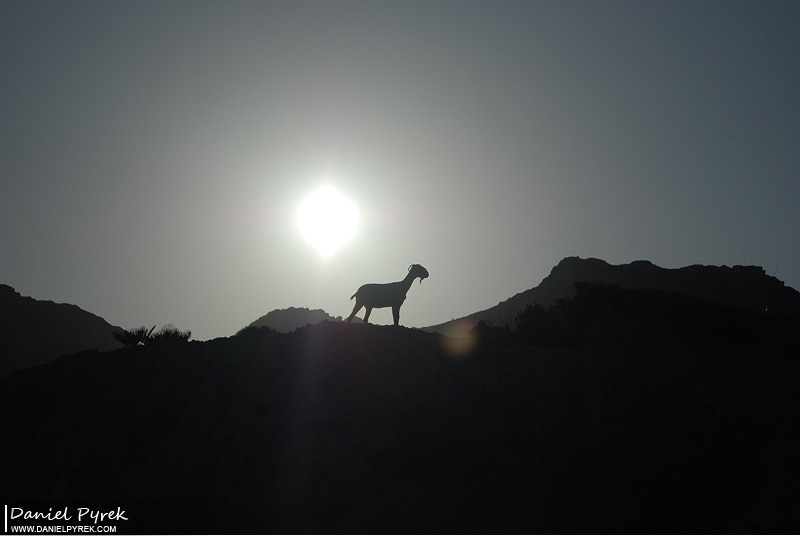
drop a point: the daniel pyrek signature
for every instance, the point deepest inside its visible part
(65, 514)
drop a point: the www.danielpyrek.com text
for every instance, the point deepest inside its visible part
(62, 529)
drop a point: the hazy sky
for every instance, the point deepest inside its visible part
(154, 154)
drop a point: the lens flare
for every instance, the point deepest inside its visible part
(458, 340)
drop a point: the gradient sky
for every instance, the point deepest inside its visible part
(154, 154)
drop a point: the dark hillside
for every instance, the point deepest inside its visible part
(360, 428)
(746, 287)
(569, 322)
(35, 331)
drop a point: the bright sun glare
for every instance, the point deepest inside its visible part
(327, 220)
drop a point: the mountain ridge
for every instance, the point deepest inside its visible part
(37, 331)
(740, 286)
(746, 287)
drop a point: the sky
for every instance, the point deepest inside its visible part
(154, 155)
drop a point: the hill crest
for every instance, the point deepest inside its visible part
(747, 287)
(36, 331)
(291, 318)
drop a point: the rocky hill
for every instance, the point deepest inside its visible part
(747, 287)
(35, 332)
(287, 320)
(381, 429)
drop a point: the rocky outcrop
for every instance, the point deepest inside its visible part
(747, 287)
(287, 320)
(35, 332)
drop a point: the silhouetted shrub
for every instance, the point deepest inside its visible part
(133, 336)
(254, 330)
(544, 326)
(491, 334)
(141, 335)
(564, 324)
(169, 332)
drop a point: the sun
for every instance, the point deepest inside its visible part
(327, 220)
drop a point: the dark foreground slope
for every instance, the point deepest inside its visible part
(358, 428)
(36, 331)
